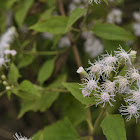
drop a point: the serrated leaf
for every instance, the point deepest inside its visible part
(13, 74)
(46, 70)
(22, 10)
(75, 15)
(75, 90)
(53, 25)
(113, 127)
(112, 32)
(61, 130)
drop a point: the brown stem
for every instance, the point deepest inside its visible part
(79, 63)
(61, 8)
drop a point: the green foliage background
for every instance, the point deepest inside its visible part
(45, 101)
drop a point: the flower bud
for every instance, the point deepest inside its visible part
(81, 71)
(3, 77)
(133, 55)
(8, 88)
(5, 83)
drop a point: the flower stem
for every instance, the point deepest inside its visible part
(99, 119)
(41, 53)
(79, 63)
(89, 120)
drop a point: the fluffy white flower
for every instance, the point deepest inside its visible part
(134, 96)
(130, 110)
(107, 69)
(123, 84)
(136, 16)
(47, 35)
(104, 97)
(133, 75)
(77, 4)
(115, 16)
(20, 137)
(12, 52)
(123, 55)
(7, 38)
(85, 93)
(64, 42)
(93, 47)
(108, 59)
(89, 84)
(96, 67)
(87, 35)
(109, 86)
(96, 1)
(3, 61)
(136, 28)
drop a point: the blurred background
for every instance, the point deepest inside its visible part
(34, 48)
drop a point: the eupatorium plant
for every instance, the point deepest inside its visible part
(104, 80)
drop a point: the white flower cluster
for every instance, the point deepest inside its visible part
(102, 80)
(115, 16)
(96, 1)
(20, 137)
(136, 25)
(92, 45)
(81, 4)
(5, 41)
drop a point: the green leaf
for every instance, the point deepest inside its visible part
(53, 25)
(46, 70)
(75, 90)
(112, 32)
(46, 14)
(68, 106)
(61, 130)
(41, 104)
(13, 74)
(113, 127)
(22, 10)
(106, 1)
(30, 88)
(110, 45)
(75, 15)
(46, 100)
(25, 60)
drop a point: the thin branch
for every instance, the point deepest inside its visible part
(79, 63)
